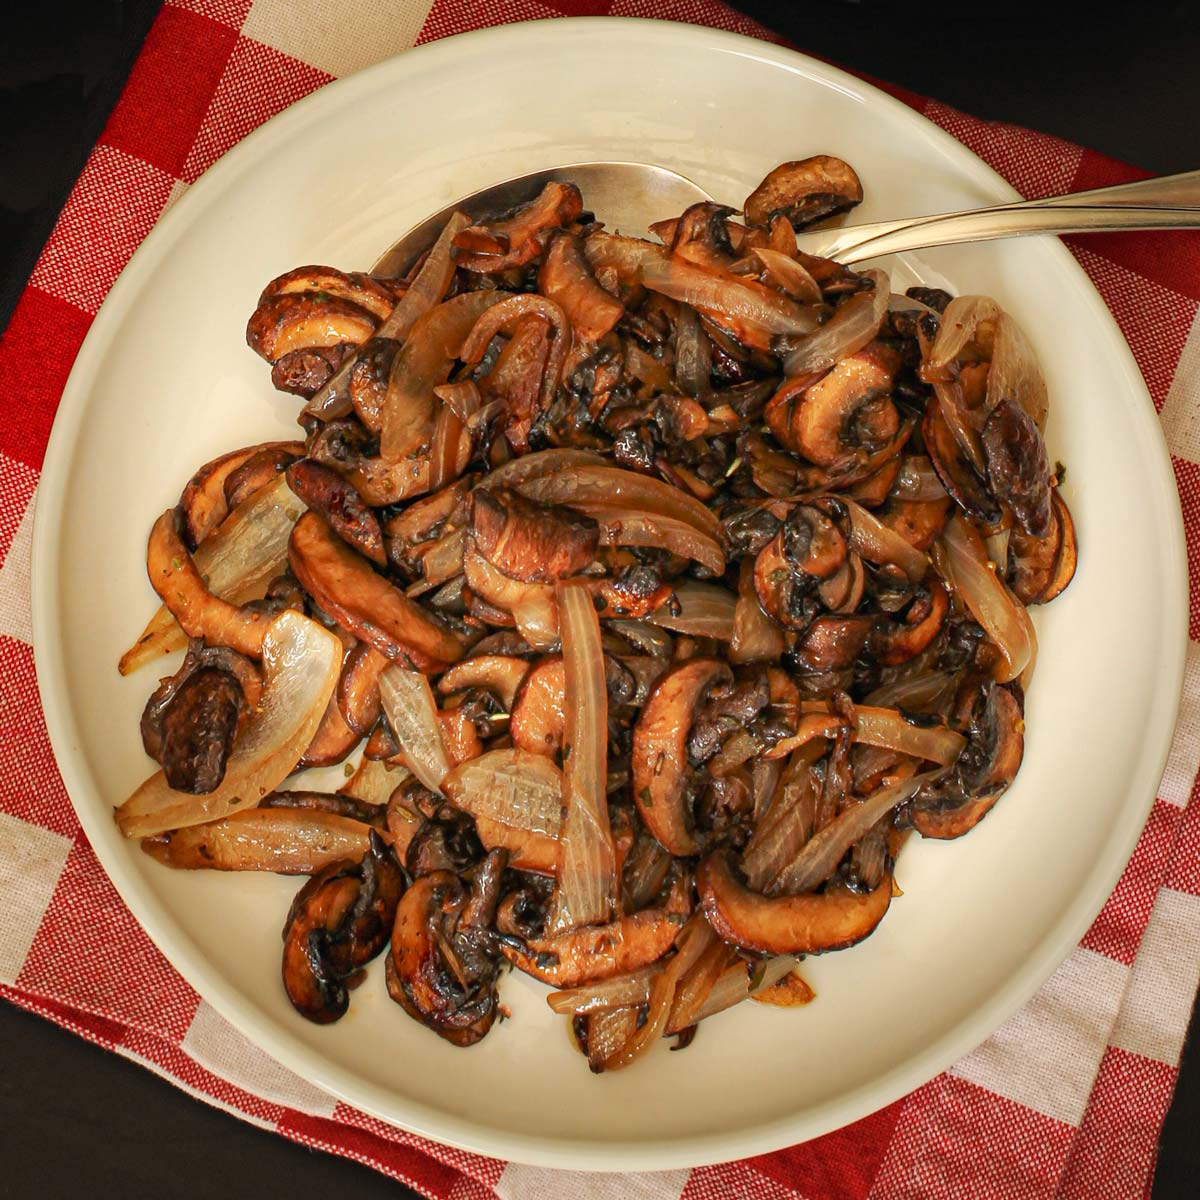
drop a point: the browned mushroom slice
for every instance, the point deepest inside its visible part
(918, 522)
(358, 688)
(810, 923)
(447, 986)
(538, 719)
(521, 233)
(369, 293)
(327, 492)
(843, 591)
(422, 523)
(499, 674)
(1017, 466)
(701, 236)
(301, 321)
(805, 191)
(338, 804)
(305, 372)
(897, 642)
(259, 471)
(203, 504)
(531, 542)
(1064, 568)
(344, 585)
(807, 549)
(661, 772)
(286, 841)
(338, 922)
(1032, 561)
(566, 277)
(333, 740)
(846, 412)
(198, 728)
(958, 477)
(873, 491)
(995, 747)
(832, 643)
(182, 589)
(600, 951)
(369, 380)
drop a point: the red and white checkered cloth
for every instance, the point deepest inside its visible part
(1066, 1100)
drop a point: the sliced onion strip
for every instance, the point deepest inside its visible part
(412, 716)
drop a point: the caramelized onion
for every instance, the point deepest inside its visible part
(301, 663)
(852, 326)
(698, 609)
(412, 716)
(586, 891)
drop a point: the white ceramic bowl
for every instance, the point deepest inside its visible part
(165, 382)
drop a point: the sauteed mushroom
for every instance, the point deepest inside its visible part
(661, 588)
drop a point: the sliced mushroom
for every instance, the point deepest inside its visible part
(376, 296)
(183, 591)
(599, 951)
(531, 542)
(499, 674)
(198, 728)
(1064, 568)
(1018, 469)
(517, 239)
(566, 277)
(897, 642)
(338, 922)
(295, 321)
(662, 776)
(358, 687)
(844, 413)
(995, 747)
(809, 548)
(805, 191)
(832, 643)
(439, 976)
(203, 505)
(369, 380)
(342, 582)
(918, 522)
(259, 471)
(810, 923)
(425, 522)
(305, 372)
(701, 236)
(331, 495)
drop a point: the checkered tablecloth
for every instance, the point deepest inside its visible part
(1066, 1100)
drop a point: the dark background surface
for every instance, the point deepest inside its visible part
(1126, 85)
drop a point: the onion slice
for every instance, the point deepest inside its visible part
(880, 544)
(739, 983)
(754, 313)
(704, 610)
(513, 787)
(301, 663)
(630, 527)
(412, 715)
(1015, 373)
(288, 841)
(586, 892)
(969, 572)
(617, 488)
(886, 727)
(426, 290)
(852, 326)
(822, 853)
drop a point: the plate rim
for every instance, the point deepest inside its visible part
(426, 1120)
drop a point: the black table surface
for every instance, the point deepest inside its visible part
(1125, 85)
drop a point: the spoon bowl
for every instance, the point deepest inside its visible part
(631, 195)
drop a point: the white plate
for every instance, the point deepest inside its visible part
(165, 381)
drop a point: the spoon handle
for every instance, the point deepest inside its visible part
(988, 224)
(1137, 205)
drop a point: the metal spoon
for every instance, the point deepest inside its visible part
(1169, 202)
(628, 196)
(631, 196)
